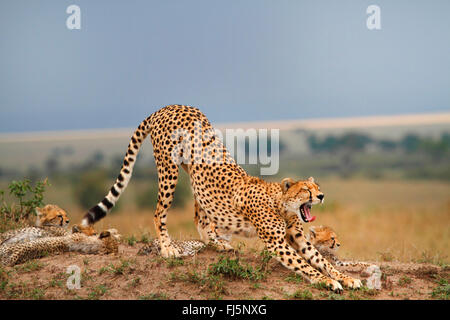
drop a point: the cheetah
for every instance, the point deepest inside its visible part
(186, 247)
(51, 220)
(82, 240)
(227, 199)
(326, 242)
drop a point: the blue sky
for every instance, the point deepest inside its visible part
(236, 60)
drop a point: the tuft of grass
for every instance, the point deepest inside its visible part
(119, 269)
(301, 295)
(207, 281)
(386, 256)
(145, 238)
(135, 282)
(29, 266)
(294, 278)
(173, 262)
(442, 291)
(97, 292)
(155, 296)
(234, 269)
(367, 292)
(427, 256)
(332, 296)
(404, 281)
(320, 286)
(131, 240)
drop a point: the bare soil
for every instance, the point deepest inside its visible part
(131, 276)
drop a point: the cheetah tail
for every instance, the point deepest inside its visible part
(100, 210)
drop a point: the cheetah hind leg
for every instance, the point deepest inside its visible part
(209, 232)
(166, 188)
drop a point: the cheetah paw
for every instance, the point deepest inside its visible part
(222, 245)
(169, 251)
(334, 285)
(352, 283)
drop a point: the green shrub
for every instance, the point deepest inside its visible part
(24, 198)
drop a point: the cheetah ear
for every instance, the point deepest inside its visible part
(76, 229)
(39, 211)
(311, 179)
(286, 183)
(104, 234)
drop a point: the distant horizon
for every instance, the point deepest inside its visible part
(406, 119)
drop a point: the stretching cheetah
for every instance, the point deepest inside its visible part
(227, 199)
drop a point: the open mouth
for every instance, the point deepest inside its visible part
(305, 212)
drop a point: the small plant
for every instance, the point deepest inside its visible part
(97, 292)
(119, 269)
(173, 262)
(386, 256)
(404, 281)
(155, 296)
(232, 268)
(442, 291)
(135, 282)
(295, 278)
(266, 257)
(145, 238)
(32, 265)
(131, 240)
(25, 199)
(301, 295)
(214, 283)
(320, 286)
(368, 292)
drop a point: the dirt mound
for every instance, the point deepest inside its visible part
(250, 274)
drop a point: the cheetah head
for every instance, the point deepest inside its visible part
(87, 230)
(323, 237)
(299, 196)
(51, 215)
(110, 233)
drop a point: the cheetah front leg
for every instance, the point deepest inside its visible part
(271, 228)
(295, 236)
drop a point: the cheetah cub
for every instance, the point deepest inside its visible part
(326, 242)
(51, 221)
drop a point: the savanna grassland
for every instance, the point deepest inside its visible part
(387, 199)
(377, 220)
(401, 226)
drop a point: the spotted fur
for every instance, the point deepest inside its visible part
(51, 221)
(227, 200)
(16, 253)
(186, 247)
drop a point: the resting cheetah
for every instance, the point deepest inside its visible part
(187, 247)
(325, 240)
(106, 242)
(228, 200)
(51, 220)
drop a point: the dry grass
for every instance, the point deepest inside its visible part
(379, 220)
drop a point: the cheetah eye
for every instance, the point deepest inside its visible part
(332, 238)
